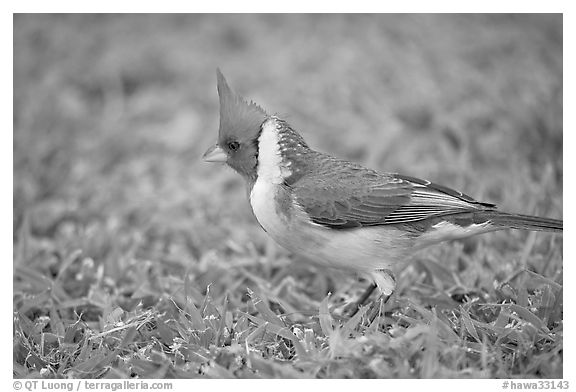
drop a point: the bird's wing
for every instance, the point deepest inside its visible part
(344, 195)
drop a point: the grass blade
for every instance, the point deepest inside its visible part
(326, 323)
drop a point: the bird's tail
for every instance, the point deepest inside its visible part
(524, 222)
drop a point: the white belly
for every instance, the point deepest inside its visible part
(359, 250)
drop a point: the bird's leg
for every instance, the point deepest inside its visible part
(379, 310)
(369, 290)
(383, 279)
(361, 301)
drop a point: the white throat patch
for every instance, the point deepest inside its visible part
(271, 168)
(271, 174)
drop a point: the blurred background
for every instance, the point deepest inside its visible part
(113, 112)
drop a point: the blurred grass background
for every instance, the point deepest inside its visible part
(113, 112)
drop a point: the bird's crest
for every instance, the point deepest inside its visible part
(237, 116)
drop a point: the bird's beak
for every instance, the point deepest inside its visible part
(215, 154)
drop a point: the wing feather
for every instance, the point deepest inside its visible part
(343, 195)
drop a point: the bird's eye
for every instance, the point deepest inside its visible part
(233, 146)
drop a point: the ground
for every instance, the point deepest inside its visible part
(133, 258)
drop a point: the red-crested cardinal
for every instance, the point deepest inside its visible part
(337, 213)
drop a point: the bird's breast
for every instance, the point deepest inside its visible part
(361, 249)
(272, 207)
(271, 200)
(285, 221)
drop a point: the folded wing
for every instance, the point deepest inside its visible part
(345, 195)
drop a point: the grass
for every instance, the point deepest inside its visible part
(132, 258)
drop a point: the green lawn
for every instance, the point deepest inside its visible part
(133, 258)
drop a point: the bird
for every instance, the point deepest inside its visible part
(337, 213)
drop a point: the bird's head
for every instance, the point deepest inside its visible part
(240, 126)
